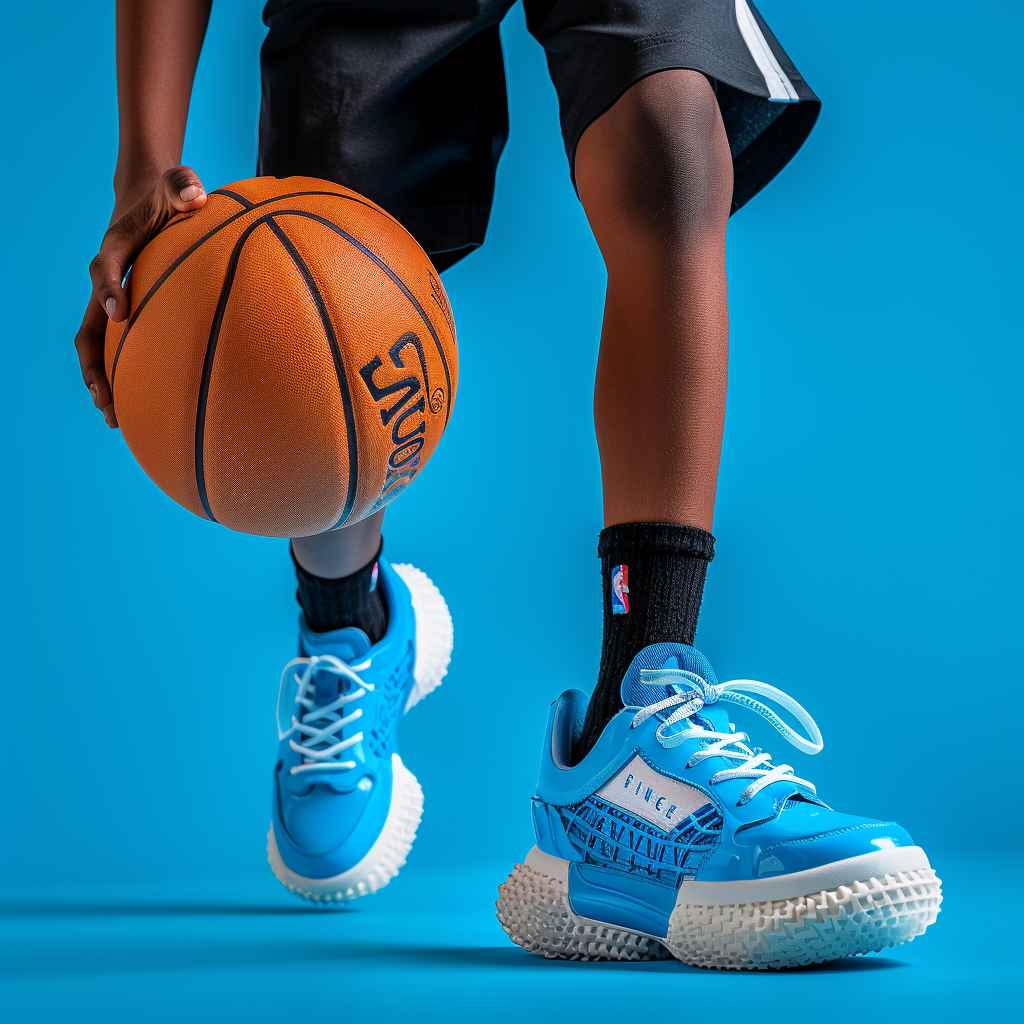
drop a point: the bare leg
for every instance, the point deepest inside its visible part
(655, 177)
(340, 552)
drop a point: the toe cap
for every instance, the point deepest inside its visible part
(323, 830)
(322, 819)
(808, 837)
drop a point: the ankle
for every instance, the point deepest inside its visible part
(653, 581)
(336, 603)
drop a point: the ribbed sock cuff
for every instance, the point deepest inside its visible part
(648, 538)
(352, 600)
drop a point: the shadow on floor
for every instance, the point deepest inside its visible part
(511, 957)
(156, 953)
(78, 910)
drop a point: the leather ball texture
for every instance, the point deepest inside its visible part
(290, 361)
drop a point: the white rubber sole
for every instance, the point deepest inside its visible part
(434, 639)
(748, 927)
(434, 633)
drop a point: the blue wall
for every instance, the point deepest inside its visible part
(869, 556)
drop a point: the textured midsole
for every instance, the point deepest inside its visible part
(778, 887)
(800, 883)
(535, 912)
(434, 633)
(865, 913)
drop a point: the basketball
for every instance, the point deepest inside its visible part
(289, 363)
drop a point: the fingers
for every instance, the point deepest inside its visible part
(106, 273)
(89, 343)
(178, 190)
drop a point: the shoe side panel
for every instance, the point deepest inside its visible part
(625, 871)
(620, 898)
(550, 832)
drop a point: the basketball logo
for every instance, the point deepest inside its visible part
(620, 590)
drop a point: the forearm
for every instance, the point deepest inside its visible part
(158, 45)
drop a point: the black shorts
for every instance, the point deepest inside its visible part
(404, 100)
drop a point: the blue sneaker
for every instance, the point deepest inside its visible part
(673, 837)
(345, 808)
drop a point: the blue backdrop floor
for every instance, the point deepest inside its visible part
(430, 948)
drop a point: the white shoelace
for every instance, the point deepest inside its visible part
(755, 764)
(318, 725)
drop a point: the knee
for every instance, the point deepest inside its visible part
(656, 167)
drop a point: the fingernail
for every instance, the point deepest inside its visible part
(110, 306)
(190, 193)
(94, 391)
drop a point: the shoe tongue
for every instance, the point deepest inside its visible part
(638, 694)
(349, 645)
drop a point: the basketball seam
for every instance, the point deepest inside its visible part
(339, 365)
(211, 349)
(397, 280)
(179, 219)
(241, 200)
(196, 244)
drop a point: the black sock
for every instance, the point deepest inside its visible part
(349, 601)
(663, 568)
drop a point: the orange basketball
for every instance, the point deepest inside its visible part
(289, 363)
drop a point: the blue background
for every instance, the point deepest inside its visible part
(869, 553)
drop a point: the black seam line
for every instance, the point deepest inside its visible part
(241, 200)
(339, 365)
(394, 277)
(178, 218)
(195, 245)
(211, 348)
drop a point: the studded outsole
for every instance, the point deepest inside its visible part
(863, 917)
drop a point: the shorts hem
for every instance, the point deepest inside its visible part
(759, 161)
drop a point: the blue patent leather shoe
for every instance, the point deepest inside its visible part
(674, 837)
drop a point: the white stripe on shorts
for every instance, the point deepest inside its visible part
(780, 88)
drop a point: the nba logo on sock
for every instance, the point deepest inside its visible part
(373, 576)
(620, 590)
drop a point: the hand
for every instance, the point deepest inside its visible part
(146, 210)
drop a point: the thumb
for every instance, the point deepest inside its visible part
(182, 189)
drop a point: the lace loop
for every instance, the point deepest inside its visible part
(694, 693)
(317, 725)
